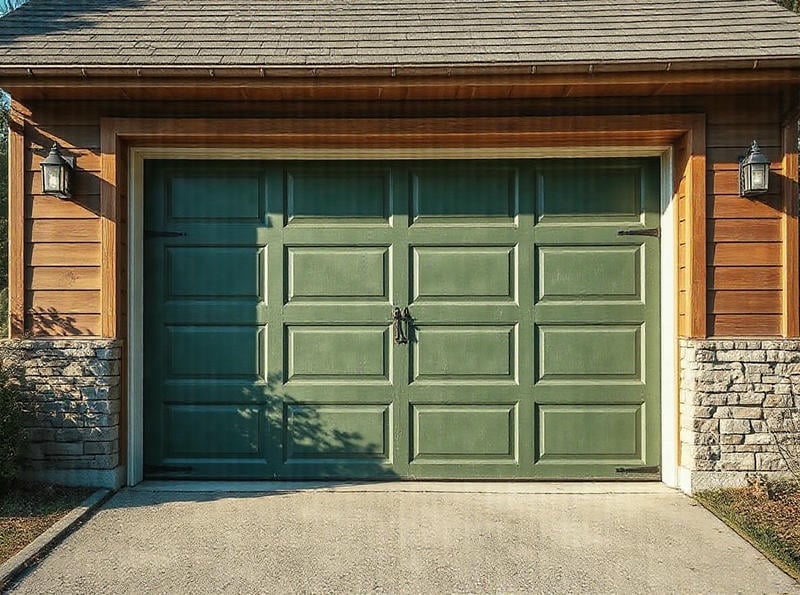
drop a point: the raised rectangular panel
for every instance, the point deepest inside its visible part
(478, 433)
(215, 272)
(581, 191)
(216, 352)
(323, 273)
(464, 273)
(219, 198)
(467, 193)
(213, 431)
(340, 431)
(464, 353)
(338, 194)
(590, 432)
(337, 353)
(590, 273)
(586, 352)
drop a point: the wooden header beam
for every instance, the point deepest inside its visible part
(117, 134)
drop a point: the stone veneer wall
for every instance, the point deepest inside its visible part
(71, 397)
(736, 397)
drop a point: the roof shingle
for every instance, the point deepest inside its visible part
(396, 33)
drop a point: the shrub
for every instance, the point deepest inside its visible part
(12, 431)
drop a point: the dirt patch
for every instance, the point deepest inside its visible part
(28, 509)
(768, 514)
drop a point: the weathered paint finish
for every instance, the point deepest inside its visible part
(534, 345)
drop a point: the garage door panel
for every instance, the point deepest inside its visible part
(338, 273)
(214, 431)
(590, 392)
(464, 353)
(475, 433)
(215, 272)
(464, 193)
(338, 353)
(219, 352)
(315, 431)
(574, 191)
(336, 193)
(594, 273)
(269, 347)
(192, 196)
(582, 433)
(589, 352)
(219, 391)
(203, 312)
(464, 273)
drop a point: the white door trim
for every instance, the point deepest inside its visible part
(668, 281)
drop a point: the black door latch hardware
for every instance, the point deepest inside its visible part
(398, 318)
(649, 470)
(652, 232)
(150, 233)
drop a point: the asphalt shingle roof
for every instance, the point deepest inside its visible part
(274, 33)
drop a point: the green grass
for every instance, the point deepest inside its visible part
(772, 526)
(28, 509)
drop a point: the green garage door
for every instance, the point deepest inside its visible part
(270, 347)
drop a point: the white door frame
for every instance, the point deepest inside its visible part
(669, 312)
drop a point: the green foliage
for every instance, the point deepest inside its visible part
(793, 5)
(12, 431)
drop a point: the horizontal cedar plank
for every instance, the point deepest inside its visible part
(63, 277)
(87, 254)
(746, 254)
(727, 182)
(63, 301)
(755, 107)
(726, 206)
(83, 182)
(745, 302)
(55, 324)
(744, 230)
(742, 135)
(63, 230)
(42, 206)
(744, 325)
(714, 166)
(744, 277)
(723, 158)
(85, 159)
(84, 136)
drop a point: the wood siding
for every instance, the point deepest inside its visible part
(66, 259)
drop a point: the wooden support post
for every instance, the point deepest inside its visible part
(791, 249)
(16, 223)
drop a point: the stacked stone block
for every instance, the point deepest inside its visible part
(737, 399)
(71, 398)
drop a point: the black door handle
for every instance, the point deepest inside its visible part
(398, 318)
(397, 326)
(652, 232)
(152, 233)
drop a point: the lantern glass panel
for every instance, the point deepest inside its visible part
(758, 177)
(52, 176)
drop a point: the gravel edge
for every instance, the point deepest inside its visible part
(28, 555)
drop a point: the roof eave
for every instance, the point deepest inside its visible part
(46, 71)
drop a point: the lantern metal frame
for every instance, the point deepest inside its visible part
(56, 159)
(754, 158)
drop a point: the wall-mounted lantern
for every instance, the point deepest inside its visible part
(57, 173)
(753, 172)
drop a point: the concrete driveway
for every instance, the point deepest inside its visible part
(432, 538)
